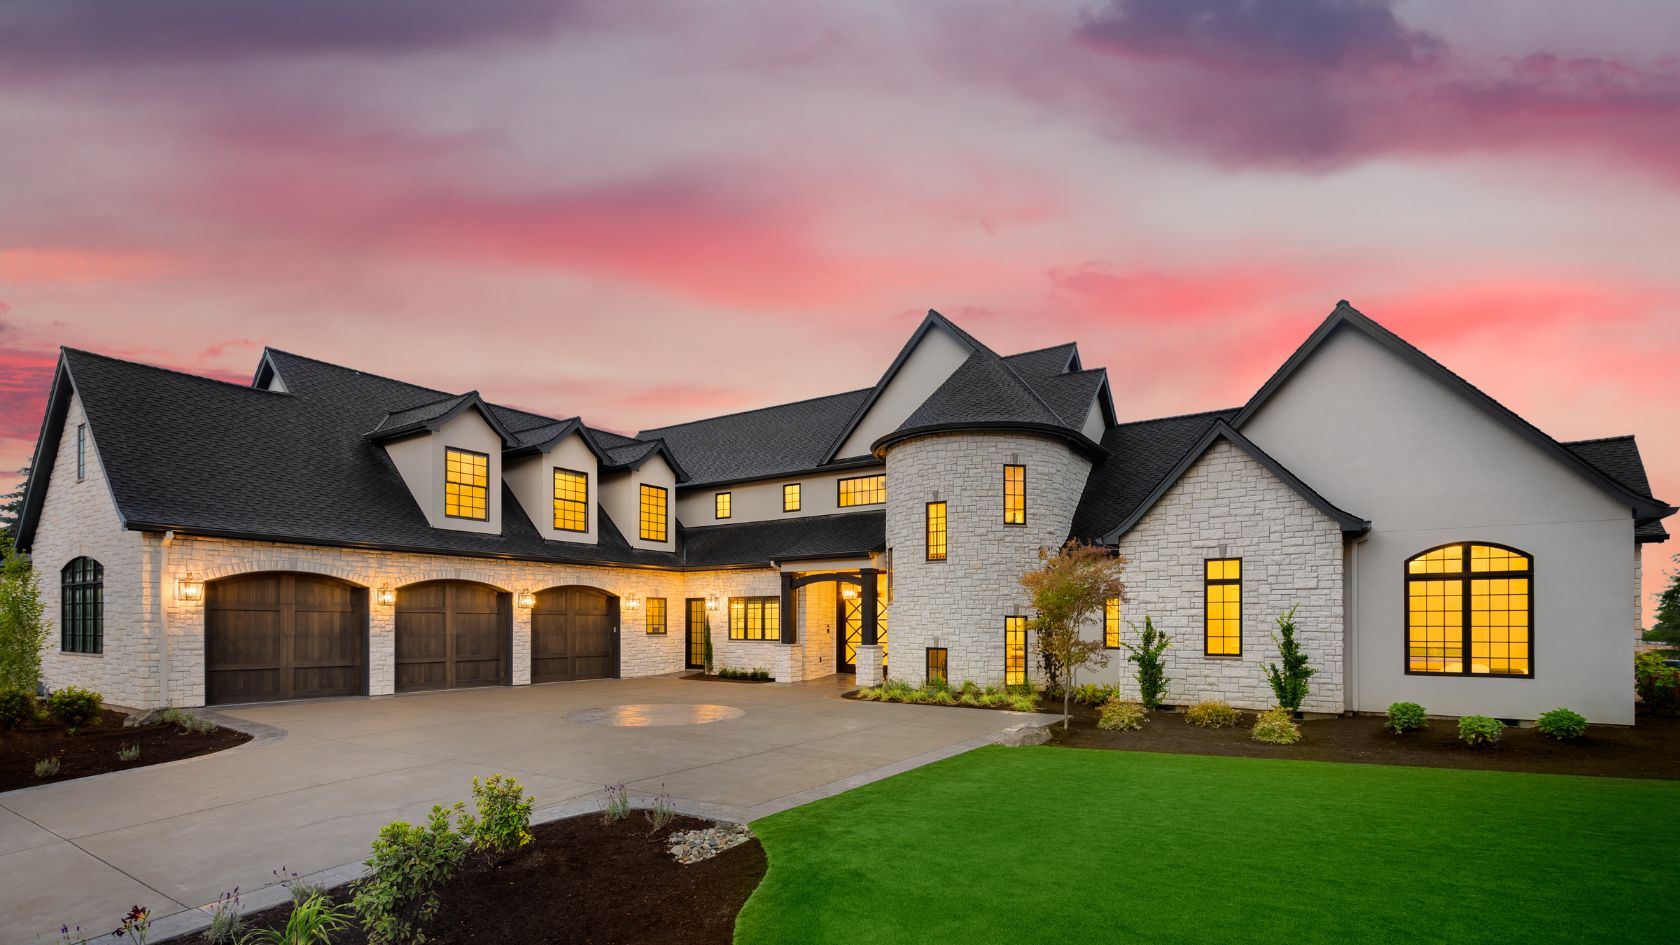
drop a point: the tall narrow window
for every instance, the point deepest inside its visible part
(1111, 623)
(755, 618)
(790, 497)
(938, 658)
(862, 490)
(466, 484)
(723, 505)
(656, 615)
(1224, 607)
(1014, 651)
(1014, 495)
(1475, 599)
(936, 531)
(655, 526)
(81, 451)
(82, 606)
(571, 500)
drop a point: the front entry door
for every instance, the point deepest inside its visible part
(850, 621)
(695, 649)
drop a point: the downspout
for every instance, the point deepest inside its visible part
(163, 618)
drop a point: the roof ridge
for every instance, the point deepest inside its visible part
(1599, 439)
(1031, 390)
(236, 385)
(1019, 354)
(345, 367)
(1177, 416)
(741, 413)
(430, 403)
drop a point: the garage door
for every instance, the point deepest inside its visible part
(572, 635)
(283, 636)
(452, 634)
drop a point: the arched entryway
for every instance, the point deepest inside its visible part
(574, 634)
(279, 635)
(452, 635)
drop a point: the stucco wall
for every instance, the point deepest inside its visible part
(531, 479)
(421, 459)
(762, 501)
(934, 358)
(621, 496)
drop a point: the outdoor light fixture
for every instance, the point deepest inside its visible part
(849, 592)
(189, 590)
(385, 596)
(711, 602)
(632, 602)
(525, 599)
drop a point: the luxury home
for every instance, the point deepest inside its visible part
(327, 532)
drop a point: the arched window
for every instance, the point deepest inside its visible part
(83, 606)
(1470, 611)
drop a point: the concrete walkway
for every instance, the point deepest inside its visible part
(310, 793)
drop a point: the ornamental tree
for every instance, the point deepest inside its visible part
(1068, 591)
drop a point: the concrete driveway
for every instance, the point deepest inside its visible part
(312, 792)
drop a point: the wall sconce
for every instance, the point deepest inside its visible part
(711, 602)
(849, 592)
(632, 602)
(189, 590)
(525, 599)
(385, 597)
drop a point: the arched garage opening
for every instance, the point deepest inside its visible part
(278, 635)
(574, 634)
(453, 635)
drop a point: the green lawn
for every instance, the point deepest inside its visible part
(1017, 845)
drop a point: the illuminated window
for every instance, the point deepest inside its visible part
(571, 500)
(790, 497)
(937, 660)
(654, 526)
(863, 490)
(81, 451)
(852, 620)
(656, 615)
(82, 606)
(1014, 495)
(466, 484)
(722, 504)
(1466, 598)
(936, 531)
(1111, 623)
(1014, 651)
(1224, 607)
(755, 618)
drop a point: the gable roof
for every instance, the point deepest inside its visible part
(929, 322)
(1221, 430)
(1618, 457)
(1345, 316)
(759, 444)
(1140, 454)
(429, 417)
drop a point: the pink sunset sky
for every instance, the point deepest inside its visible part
(648, 212)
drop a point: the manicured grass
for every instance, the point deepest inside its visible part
(1065, 845)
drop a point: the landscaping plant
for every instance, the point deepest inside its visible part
(225, 921)
(188, 723)
(74, 707)
(1068, 592)
(313, 921)
(1122, 715)
(1276, 726)
(399, 894)
(1657, 683)
(662, 812)
(299, 888)
(503, 822)
(1289, 683)
(1094, 694)
(137, 924)
(618, 802)
(1211, 714)
(16, 708)
(23, 628)
(46, 767)
(707, 638)
(1479, 731)
(1404, 717)
(1667, 628)
(128, 753)
(1562, 724)
(1151, 668)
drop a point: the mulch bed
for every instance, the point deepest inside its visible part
(1650, 749)
(1050, 706)
(93, 749)
(583, 880)
(705, 678)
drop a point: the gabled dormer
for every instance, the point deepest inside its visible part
(555, 474)
(639, 491)
(449, 452)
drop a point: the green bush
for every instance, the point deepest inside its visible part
(1562, 724)
(1023, 700)
(1211, 714)
(1658, 684)
(1478, 731)
(1151, 667)
(408, 865)
(1093, 694)
(16, 708)
(1122, 715)
(23, 625)
(1276, 727)
(503, 821)
(1405, 717)
(1289, 683)
(74, 707)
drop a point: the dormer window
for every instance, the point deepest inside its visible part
(466, 484)
(571, 500)
(653, 517)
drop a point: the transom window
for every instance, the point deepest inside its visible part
(755, 618)
(656, 615)
(1014, 495)
(655, 524)
(1111, 623)
(1223, 615)
(790, 497)
(1469, 598)
(1014, 651)
(82, 606)
(466, 484)
(723, 504)
(938, 661)
(571, 500)
(936, 545)
(863, 490)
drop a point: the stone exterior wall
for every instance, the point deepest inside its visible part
(960, 603)
(1228, 506)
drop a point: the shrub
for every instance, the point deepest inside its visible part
(1480, 730)
(618, 802)
(188, 723)
(1404, 717)
(1658, 684)
(503, 822)
(16, 708)
(1023, 701)
(313, 921)
(1151, 668)
(46, 767)
(225, 921)
(299, 887)
(1211, 714)
(1276, 727)
(1093, 694)
(23, 628)
(1289, 683)
(1122, 715)
(74, 707)
(128, 753)
(1562, 724)
(408, 865)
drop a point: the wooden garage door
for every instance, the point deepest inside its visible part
(452, 634)
(572, 635)
(283, 636)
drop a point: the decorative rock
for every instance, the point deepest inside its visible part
(692, 846)
(1019, 736)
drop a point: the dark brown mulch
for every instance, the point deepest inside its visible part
(93, 749)
(1650, 749)
(584, 880)
(1051, 706)
(705, 678)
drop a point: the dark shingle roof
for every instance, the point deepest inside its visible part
(983, 389)
(826, 536)
(1045, 362)
(769, 441)
(1618, 457)
(1140, 455)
